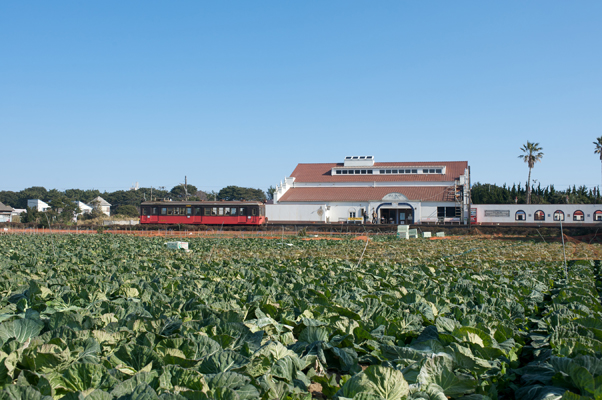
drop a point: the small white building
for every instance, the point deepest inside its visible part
(83, 208)
(5, 213)
(101, 203)
(360, 188)
(38, 205)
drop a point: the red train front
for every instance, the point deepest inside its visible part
(203, 212)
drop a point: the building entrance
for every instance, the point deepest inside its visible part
(396, 216)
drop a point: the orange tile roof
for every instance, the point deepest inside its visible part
(423, 193)
(322, 172)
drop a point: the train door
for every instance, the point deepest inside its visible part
(242, 215)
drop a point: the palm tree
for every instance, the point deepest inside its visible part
(598, 144)
(532, 155)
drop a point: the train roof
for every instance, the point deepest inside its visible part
(202, 203)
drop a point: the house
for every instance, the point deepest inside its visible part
(38, 205)
(5, 213)
(101, 203)
(359, 188)
(83, 208)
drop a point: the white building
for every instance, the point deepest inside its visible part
(396, 192)
(101, 203)
(38, 205)
(5, 213)
(83, 209)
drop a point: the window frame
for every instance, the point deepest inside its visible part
(557, 215)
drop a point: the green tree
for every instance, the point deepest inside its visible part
(532, 154)
(180, 192)
(31, 215)
(270, 192)
(598, 150)
(240, 193)
(127, 210)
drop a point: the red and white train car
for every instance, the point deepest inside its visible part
(203, 212)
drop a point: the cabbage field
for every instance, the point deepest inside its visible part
(119, 317)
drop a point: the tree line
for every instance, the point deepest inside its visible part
(485, 193)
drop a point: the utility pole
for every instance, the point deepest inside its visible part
(186, 188)
(151, 193)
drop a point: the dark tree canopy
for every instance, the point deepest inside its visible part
(127, 210)
(240, 193)
(484, 193)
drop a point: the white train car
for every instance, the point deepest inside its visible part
(536, 214)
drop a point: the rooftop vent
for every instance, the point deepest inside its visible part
(359, 161)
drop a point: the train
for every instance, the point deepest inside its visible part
(203, 212)
(254, 213)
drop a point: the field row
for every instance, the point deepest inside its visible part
(116, 317)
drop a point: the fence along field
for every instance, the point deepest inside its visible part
(115, 317)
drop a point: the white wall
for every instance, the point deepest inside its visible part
(330, 212)
(37, 204)
(295, 212)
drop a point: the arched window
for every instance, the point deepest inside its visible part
(578, 216)
(520, 216)
(558, 215)
(539, 215)
(598, 215)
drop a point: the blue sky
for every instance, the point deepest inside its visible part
(105, 94)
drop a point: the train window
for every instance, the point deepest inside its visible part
(558, 215)
(227, 211)
(188, 211)
(578, 216)
(253, 211)
(207, 211)
(241, 211)
(598, 215)
(169, 211)
(144, 211)
(233, 211)
(163, 211)
(176, 211)
(214, 211)
(183, 211)
(539, 216)
(520, 216)
(220, 211)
